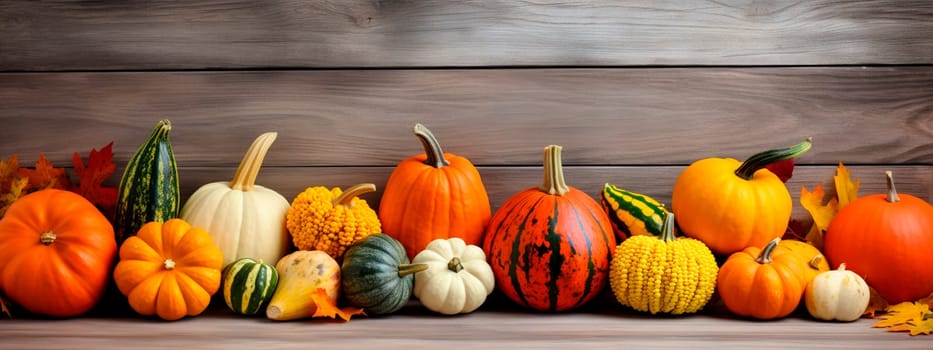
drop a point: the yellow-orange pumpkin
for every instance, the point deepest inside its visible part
(762, 283)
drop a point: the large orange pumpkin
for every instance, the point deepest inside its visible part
(56, 250)
(434, 195)
(730, 205)
(170, 270)
(763, 283)
(549, 246)
(887, 239)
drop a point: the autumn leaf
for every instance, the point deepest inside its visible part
(327, 307)
(783, 169)
(3, 308)
(846, 189)
(822, 213)
(15, 191)
(98, 169)
(44, 175)
(903, 313)
(928, 301)
(923, 327)
(8, 170)
(876, 304)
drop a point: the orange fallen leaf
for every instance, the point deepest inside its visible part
(8, 170)
(903, 313)
(13, 193)
(846, 189)
(923, 327)
(327, 307)
(3, 308)
(876, 304)
(45, 175)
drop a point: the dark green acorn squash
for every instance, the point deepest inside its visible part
(377, 275)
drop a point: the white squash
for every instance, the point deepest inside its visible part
(837, 295)
(458, 278)
(301, 273)
(245, 220)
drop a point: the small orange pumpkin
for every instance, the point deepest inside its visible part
(56, 250)
(762, 283)
(730, 205)
(434, 195)
(170, 270)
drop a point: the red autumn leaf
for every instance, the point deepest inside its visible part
(92, 176)
(44, 176)
(327, 307)
(783, 169)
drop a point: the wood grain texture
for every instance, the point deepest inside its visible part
(494, 117)
(73, 35)
(608, 327)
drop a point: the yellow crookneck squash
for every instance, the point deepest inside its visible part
(731, 205)
(245, 220)
(170, 270)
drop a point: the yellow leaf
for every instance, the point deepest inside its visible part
(903, 313)
(922, 327)
(327, 307)
(846, 189)
(813, 203)
(16, 191)
(876, 304)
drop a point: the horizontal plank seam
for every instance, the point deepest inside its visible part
(503, 166)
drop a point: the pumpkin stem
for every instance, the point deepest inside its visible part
(246, 173)
(454, 264)
(431, 147)
(842, 267)
(346, 198)
(892, 193)
(169, 264)
(667, 228)
(408, 269)
(814, 262)
(765, 256)
(47, 237)
(554, 183)
(760, 160)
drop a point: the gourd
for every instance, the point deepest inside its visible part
(302, 273)
(663, 274)
(56, 253)
(245, 220)
(377, 276)
(169, 269)
(837, 295)
(886, 239)
(549, 246)
(763, 283)
(248, 285)
(434, 195)
(457, 279)
(331, 220)
(730, 205)
(148, 190)
(811, 257)
(630, 213)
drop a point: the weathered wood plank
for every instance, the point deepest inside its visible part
(495, 117)
(80, 35)
(503, 182)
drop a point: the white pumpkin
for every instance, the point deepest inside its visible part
(245, 220)
(837, 295)
(458, 278)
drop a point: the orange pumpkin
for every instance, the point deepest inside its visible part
(886, 239)
(762, 283)
(811, 257)
(56, 250)
(730, 205)
(434, 195)
(170, 270)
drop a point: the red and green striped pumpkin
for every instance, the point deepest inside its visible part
(550, 246)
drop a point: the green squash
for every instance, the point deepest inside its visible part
(632, 214)
(248, 285)
(377, 275)
(148, 190)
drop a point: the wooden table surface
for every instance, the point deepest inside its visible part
(496, 326)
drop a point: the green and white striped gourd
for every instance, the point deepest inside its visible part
(248, 285)
(632, 214)
(149, 187)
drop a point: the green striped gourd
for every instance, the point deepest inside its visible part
(632, 214)
(149, 187)
(249, 285)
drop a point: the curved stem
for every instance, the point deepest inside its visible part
(431, 147)
(246, 173)
(842, 267)
(455, 265)
(760, 160)
(408, 269)
(814, 262)
(554, 183)
(346, 198)
(892, 193)
(47, 237)
(765, 256)
(667, 228)
(169, 264)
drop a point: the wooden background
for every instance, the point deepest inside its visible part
(633, 90)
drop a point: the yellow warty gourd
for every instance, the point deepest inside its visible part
(330, 220)
(663, 274)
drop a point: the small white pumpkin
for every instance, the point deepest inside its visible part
(458, 278)
(837, 295)
(245, 220)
